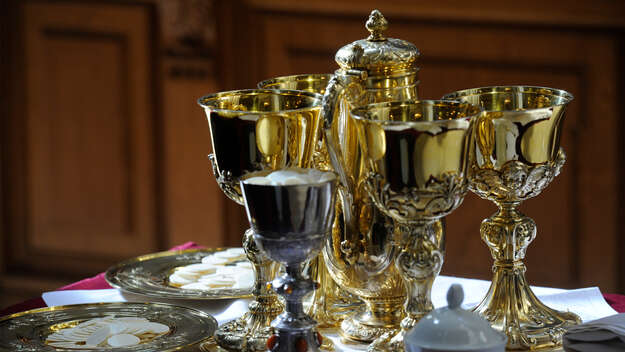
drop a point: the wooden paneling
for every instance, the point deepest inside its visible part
(193, 203)
(82, 167)
(578, 241)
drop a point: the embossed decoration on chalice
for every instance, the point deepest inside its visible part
(290, 224)
(253, 130)
(514, 155)
(416, 153)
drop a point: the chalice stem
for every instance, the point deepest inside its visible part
(250, 332)
(419, 263)
(510, 305)
(295, 330)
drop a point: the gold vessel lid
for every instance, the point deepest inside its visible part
(378, 54)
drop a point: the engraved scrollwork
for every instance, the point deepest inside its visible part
(515, 181)
(420, 262)
(524, 233)
(365, 333)
(494, 236)
(437, 199)
(225, 181)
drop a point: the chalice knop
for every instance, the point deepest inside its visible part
(416, 153)
(515, 153)
(254, 130)
(290, 224)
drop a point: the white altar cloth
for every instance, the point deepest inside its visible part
(588, 303)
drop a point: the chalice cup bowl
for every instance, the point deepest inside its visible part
(416, 153)
(290, 224)
(515, 153)
(254, 130)
(329, 304)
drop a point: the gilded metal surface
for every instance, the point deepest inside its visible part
(514, 155)
(189, 329)
(378, 54)
(251, 331)
(329, 304)
(290, 224)
(148, 275)
(254, 130)
(360, 255)
(416, 154)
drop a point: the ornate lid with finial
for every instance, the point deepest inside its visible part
(454, 329)
(378, 54)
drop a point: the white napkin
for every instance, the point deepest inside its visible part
(601, 335)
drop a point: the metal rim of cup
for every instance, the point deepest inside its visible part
(362, 113)
(203, 101)
(310, 77)
(565, 95)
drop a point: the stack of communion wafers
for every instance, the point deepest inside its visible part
(107, 332)
(224, 269)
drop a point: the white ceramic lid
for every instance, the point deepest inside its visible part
(454, 329)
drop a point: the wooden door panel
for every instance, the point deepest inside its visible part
(88, 125)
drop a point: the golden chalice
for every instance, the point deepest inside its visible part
(254, 130)
(416, 154)
(515, 155)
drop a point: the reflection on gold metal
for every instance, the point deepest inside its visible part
(515, 155)
(360, 255)
(254, 130)
(416, 161)
(329, 304)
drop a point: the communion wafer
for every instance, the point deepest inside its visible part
(178, 279)
(211, 259)
(100, 332)
(99, 336)
(195, 286)
(200, 268)
(292, 177)
(123, 340)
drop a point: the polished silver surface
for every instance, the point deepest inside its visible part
(290, 224)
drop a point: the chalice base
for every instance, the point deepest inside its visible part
(510, 305)
(393, 341)
(382, 316)
(512, 308)
(250, 332)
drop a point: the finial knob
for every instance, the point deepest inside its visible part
(455, 296)
(376, 24)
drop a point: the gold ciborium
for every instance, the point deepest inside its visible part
(416, 174)
(254, 130)
(329, 304)
(515, 154)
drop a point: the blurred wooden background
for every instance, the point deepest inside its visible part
(103, 148)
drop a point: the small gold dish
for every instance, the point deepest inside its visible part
(189, 329)
(148, 275)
